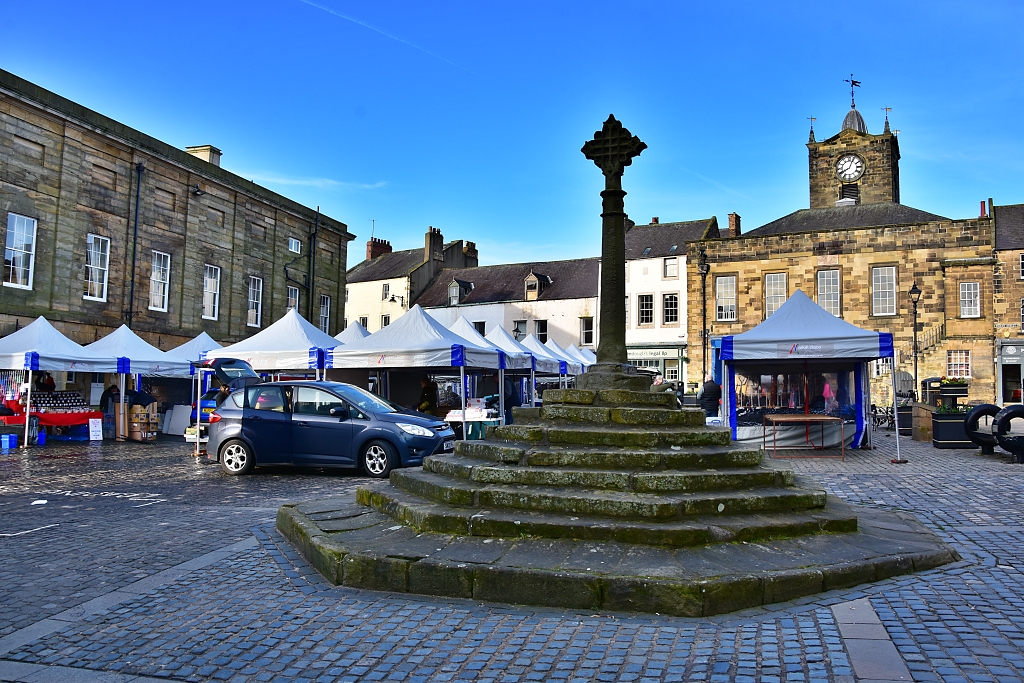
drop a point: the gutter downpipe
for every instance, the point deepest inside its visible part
(139, 168)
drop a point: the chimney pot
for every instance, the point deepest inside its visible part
(982, 214)
(654, 221)
(206, 153)
(377, 247)
(734, 225)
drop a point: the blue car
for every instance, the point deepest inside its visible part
(321, 424)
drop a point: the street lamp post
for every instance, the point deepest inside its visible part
(915, 296)
(703, 268)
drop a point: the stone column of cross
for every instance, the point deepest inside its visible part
(612, 149)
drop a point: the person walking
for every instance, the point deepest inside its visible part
(710, 396)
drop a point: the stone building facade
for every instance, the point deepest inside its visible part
(105, 224)
(387, 283)
(1009, 300)
(859, 259)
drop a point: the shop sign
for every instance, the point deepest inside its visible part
(1010, 355)
(805, 350)
(637, 354)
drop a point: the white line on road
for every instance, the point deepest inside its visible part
(149, 503)
(19, 533)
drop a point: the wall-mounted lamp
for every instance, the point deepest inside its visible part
(198, 191)
(395, 297)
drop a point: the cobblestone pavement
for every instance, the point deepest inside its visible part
(144, 562)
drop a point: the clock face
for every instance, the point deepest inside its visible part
(849, 167)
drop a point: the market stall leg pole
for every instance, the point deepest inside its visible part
(501, 396)
(462, 379)
(122, 415)
(28, 408)
(896, 415)
(199, 408)
(533, 388)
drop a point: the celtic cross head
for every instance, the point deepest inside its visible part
(613, 147)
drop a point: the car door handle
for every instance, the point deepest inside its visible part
(256, 418)
(302, 424)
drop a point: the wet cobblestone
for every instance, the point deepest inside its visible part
(262, 614)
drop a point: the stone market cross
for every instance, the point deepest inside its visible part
(612, 149)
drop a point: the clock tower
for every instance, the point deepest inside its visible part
(853, 166)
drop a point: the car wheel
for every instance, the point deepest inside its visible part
(378, 458)
(236, 457)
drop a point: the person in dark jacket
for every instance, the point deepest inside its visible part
(428, 397)
(710, 396)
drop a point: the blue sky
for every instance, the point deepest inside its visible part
(469, 116)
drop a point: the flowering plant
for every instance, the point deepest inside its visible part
(947, 381)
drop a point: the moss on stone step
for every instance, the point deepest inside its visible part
(576, 413)
(575, 396)
(619, 397)
(658, 416)
(485, 450)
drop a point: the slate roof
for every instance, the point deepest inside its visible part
(1009, 226)
(575, 279)
(661, 237)
(395, 264)
(840, 217)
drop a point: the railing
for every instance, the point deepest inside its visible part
(926, 339)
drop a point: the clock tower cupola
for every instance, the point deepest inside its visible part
(853, 166)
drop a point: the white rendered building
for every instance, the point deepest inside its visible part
(656, 294)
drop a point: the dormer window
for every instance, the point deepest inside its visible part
(535, 285)
(454, 293)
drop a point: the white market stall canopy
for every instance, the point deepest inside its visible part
(500, 338)
(292, 343)
(196, 349)
(589, 355)
(558, 352)
(565, 367)
(576, 352)
(354, 332)
(135, 356)
(40, 346)
(802, 330)
(513, 361)
(414, 341)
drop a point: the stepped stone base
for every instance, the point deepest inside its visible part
(606, 498)
(357, 546)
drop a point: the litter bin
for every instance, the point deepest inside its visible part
(930, 390)
(905, 419)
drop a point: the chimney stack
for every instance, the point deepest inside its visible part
(654, 221)
(433, 245)
(206, 153)
(734, 225)
(377, 247)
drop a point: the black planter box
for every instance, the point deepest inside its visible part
(948, 431)
(950, 390)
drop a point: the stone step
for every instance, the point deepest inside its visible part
(605, 503)
(644, 481)
(619, 435)
(701, 457)
(428, 516)
(637, 436)
(489, 450)
(609, 397)
(620, 416)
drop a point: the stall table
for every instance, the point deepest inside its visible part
(55, 419)
(808, 420)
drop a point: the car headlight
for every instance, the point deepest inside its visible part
(415, 430)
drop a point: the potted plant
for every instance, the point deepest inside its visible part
(951, 387)
(948, 427)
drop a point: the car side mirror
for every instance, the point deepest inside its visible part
(340, 413)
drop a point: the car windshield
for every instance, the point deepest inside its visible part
(363, 399)
(236, 368)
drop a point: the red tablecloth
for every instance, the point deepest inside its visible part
(55, 419)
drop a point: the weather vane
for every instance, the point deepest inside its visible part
(853, 84)
(887, 110)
